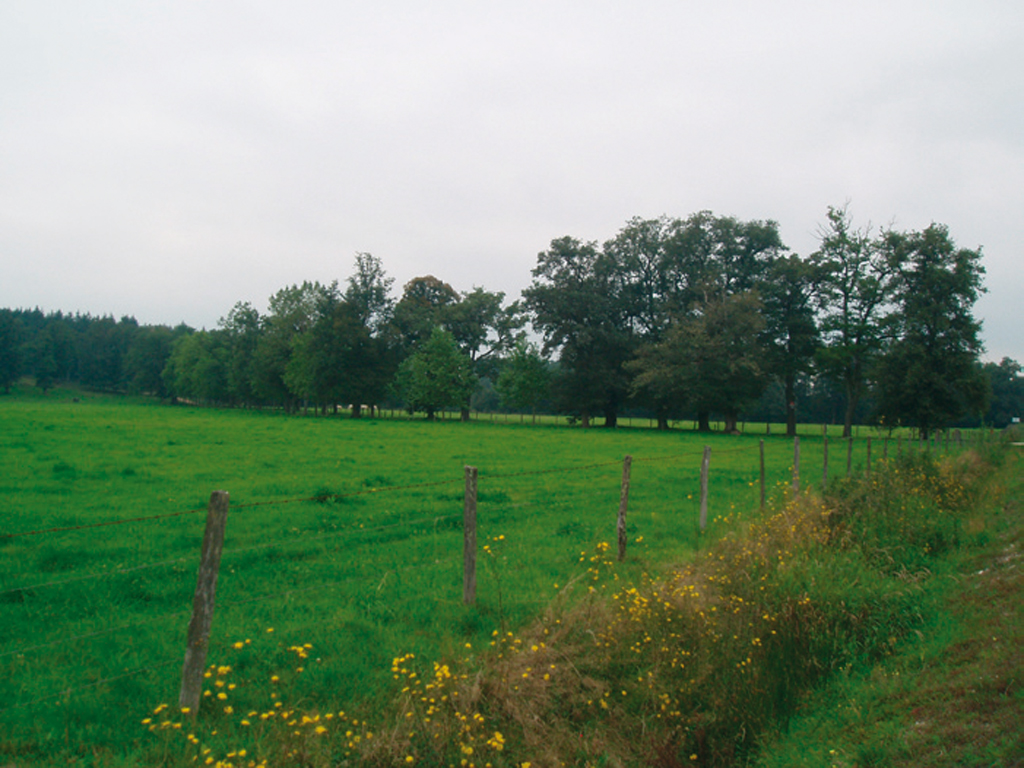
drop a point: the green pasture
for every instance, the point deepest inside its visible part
(345, 534)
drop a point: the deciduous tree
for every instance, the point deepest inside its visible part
(854, 288)
(437, 375)
(790, 335)
(525, 378)
(929, 373)
(710, 361)
(576, 306)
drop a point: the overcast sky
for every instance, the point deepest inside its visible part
(168, 159)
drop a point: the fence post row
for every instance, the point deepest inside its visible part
(469, 539)
(704, 465)
(627, 463)
(203, 602)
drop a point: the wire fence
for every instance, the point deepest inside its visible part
(511, 498)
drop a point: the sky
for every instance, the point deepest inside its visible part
(166, 160)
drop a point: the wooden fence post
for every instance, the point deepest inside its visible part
(705, 463)
(796, 464)
(469, 539)
(202, 603)
(623, 503)
(824, 471)
(762, 474)
(849, 456)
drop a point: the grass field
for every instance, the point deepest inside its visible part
(344, 534)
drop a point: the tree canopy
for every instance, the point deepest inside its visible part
(674, 318)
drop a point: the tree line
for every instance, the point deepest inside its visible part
(675, 318)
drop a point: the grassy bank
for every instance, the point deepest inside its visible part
(737, 657)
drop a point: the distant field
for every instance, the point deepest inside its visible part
(93, 620)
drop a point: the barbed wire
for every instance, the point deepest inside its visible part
(98, 575)
(552, 471)
(63, 640)
(347, 494)
(97, 683)
(343, 532)
(325, 584)
(103, 524)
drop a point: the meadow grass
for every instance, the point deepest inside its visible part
(345, 536)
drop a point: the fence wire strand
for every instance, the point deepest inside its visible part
(80, 688)
(98, 633)
(89, 576)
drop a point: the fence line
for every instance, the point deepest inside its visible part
(98, 633)
(101, 575)
(364, 492)
(79, 689)
(235, 550)
(349, 531)
(100, 525)
(342, 532)
(328, 584)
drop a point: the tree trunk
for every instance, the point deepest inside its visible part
(585, 420)
(357, 411)
(430, 414)
(790, 405)
(663, 423)
(464, 413)
(731, 420)
(611, 417)
(852, 396)
(703, 421)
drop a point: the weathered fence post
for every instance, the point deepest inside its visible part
(203, 602)
(469, 539)
(824, 471)
(796, 464)
(762, 474)
(849, 456)
(627, 463)
(705, 463)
